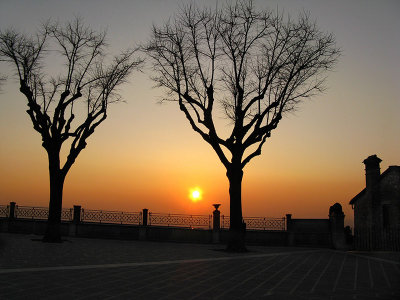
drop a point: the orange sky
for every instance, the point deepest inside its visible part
(145, 155)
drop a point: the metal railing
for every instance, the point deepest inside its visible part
(67, 214)
(178, 220)
(258, 223)
(136, 218)
(225, 222)
(113, 217)
(387, 239)
(40, 213)
(4, 211)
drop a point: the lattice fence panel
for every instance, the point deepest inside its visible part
(177, 220)
(4, 211)
(27, 212)
(258, 223)
(67, 214)
(113, 217)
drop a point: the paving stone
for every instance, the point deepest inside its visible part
(111, 269)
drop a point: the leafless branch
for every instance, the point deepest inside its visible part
(256, 65)
(89, 76)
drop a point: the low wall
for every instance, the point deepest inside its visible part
(145, 225)
(301, 232)
(28, 226)
(112, 231)
(258, 237)
(186, 235)
(310, 232)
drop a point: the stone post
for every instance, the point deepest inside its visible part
(336, 222)
(289, 230)
(216, 224)
(6, 224)
(143, 229)
(11, 215)
(77, 214)
(145, 216)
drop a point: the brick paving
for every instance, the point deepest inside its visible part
(110, 269)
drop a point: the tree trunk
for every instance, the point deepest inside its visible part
(237, 229)
(53, 233)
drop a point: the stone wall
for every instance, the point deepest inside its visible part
(390, 197)
(311, 232)
(300, 232)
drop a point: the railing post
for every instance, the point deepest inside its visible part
(77, 214)
(216, 218)
(289, 230)
(143, 229)
(145, 216)
(288, 222)
(216, 224)
(11, 215)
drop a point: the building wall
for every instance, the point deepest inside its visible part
(377, 214)
(362, 212)
(390, 198)
(380, 206)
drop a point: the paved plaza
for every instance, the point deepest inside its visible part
(111, 269)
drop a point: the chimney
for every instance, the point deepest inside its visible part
(372, 170)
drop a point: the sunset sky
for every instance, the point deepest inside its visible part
(145, 155)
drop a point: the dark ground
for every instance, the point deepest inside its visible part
(111, 269)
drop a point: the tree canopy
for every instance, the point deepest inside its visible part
(80, 93)
(255, 65)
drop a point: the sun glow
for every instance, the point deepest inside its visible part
(195, 194)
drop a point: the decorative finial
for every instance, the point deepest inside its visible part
(216, 206)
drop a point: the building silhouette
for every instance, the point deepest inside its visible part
(377, 208)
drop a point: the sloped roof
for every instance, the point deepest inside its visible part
(383, 175)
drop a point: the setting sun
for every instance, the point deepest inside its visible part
(195, 194)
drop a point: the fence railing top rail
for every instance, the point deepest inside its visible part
(17, 207)
(111, 211)
(31, 207)
(178, 215)
(265, 218)
(145, 217)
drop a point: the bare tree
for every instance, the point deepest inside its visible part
(68, 106)
(252, 66)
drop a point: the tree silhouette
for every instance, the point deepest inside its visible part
(68, 106)
(253, 66)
